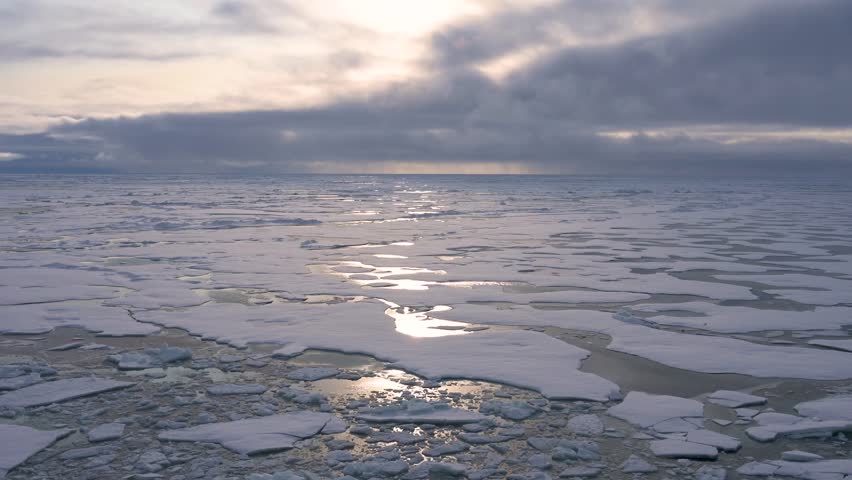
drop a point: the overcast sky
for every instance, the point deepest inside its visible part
(693, 87)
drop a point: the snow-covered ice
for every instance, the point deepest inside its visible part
(646, 410)
(21, 442)
(258, 435)
(729, 398)
(416, 411)
(59, 391)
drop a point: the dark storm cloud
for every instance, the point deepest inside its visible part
(774, 65)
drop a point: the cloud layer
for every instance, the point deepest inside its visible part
(610, 87)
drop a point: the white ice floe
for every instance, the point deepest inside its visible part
(816, 470)
(671, 448)
(830, 408)
(416, 411)
(311, 374)
(711, 354)
(800, 456)
(646, 410)
(105, 432)
(43, 318)
(259, 435)
(845, 345)
(236, 389)
(804, 429)
(636, 464)
(717, 318)
(520, 358)
(714, 439)
(59, 391)
(20, 443)
(803, 288)
(729, 398)
(586, 424)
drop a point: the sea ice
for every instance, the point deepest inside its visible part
(729, 398)
(803, 429)
(415, 411)
(258, 435)
(714, 439)
(636, 464)
(236, 389)
(21, 442)
(845, 345)
(646, 410)
(586, 424)
(59, 391)
(107, 431)
(830, 408)
(310, 374)
(681, 449)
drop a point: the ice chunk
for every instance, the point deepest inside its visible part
(59, 391)
(728, 398)
(803, 429)
(714, 439)
(645, 410)
(830, 408)
(107, 431)
(416, 411)
(311, 374)
(636, 464)
(509, 410)
(581, 471)
(587, 424)
(680, 449)
(236, 389)
(21, 442)
(800, 456)
(256, 435)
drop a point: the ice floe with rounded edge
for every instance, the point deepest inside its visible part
(416, 411)
(830, 408)
(59, 391)
(259, 435)
(646, 410)
(21, 442)
(733, 399)
(805, 429)
(310, 374)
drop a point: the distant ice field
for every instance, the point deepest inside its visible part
(446, 276)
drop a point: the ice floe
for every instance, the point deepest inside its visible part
(416, 411)
(646, 410)
(59, 391)
(21, 442)
(259, 435)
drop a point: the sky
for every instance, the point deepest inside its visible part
(613, 87)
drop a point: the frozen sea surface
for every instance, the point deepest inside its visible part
(497, 279)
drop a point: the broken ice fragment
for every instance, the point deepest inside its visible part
(59, 390)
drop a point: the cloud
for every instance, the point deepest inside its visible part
(753, 67)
